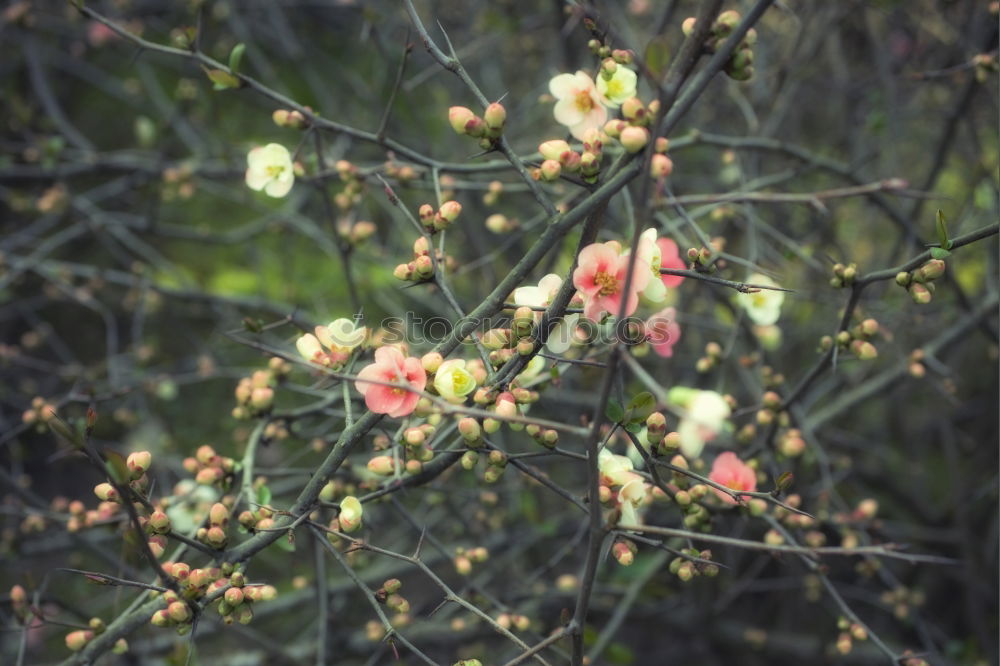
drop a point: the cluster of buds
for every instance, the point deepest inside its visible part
(434, 221)
(255, 394)
(261, 518)
(416, 444)
(547, 437)
(916, 366)
(355, 233)
(771, 410)
(487, 129)
(660, 441)
(849, 632)
(77, 640)
(632, 132)
(290, 118)
(389, 595)
(80, 517)
(660, 166)
(208, 467)
(712, 357)
(237, 602)
(505, 405)
(558, 156)
(920, 283)
(857, 339)
(902, 600)
(739, 67)
(178, 183)
(986, 64)
(466, 557)
(354, 182)
(601, 49)
(421, 268)
(686, 569)
(492, 195)
(496, 464)
(624, 551)
(696, 516)
(795, 520)
(514, 621)
(791, 444)
(843, 276)
(704, 259)
(214, 535)
(40, 414)
(402, 172)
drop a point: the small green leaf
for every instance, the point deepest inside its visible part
(939, 253)
(614, 411)
(783, 482)
(658, 56)
(115, 464)
(942, 230)
(264, 496)
(235, 56)
(634, 427)
(640, 407)
(223, 80)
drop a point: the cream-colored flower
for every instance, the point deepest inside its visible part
(618, 88)
(269, 168)
(764, 306)
(344, 334)
(615, 469)
(350, 514)
(453, 382)
(707, 412)
(579, 104)
(561, 335)
(650, 253)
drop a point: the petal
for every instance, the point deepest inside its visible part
(566, 113)
(279, 187)
(563, 85)
(691, 438)
(256, 179)
(655, 291)
(529, 296)
(308, 346)
(383, 400)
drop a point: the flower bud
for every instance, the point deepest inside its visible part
(469, 459)
(450, 210)
(661, 166)
(687, 27)
(496, 338)
(459, 117)
(624, 554)
(613, 128)
(234, 596)
(633, 110)
(261, 399)
(932, 270)
(179, 612)
(554, 150)
(423, 267)
(495, 116)
(138, 462)
(864, 350)
(505, 406)
(523, 322)
(106, 492)
(550, 170)
(634, 139)
(382, 465)
(77, 640)
(470, 429)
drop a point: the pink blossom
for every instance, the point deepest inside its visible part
(670, 258)
(733, 473)
(663, 332)
(600, 276)
(391, 366)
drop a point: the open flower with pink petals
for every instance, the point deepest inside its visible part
(729, 471)
(579, 103)
(391, 366)
(663, 332)
(670, 257)
(600, 276)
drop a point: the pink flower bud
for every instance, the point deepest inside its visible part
(495, 116)
(459, 117)
(138, 462)
(77, 640)
(864, 350)
(553, 150)
(421, 246)
(634, 139)
(570, 160)
(179, 612)
(661, 166)
(402, 272)
(218, 514)
(932, 270)
(450, 210)
(550, 170)
(382, 465)
(234, 596)
(423, 267)
(280, 117)
(208, 476)
(106, 492)
(216, 536)
(613, 128)
(687, 27)
(431, 361)
(159, 522)
(633, 109)
(262, 398)
(470, 429)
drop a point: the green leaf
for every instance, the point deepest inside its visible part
(640, 407)
(114, 462)
(657, 56)
(634, 427)
(939, 253)
(235, 56)
(783, 482)
(223, 80)
(942, 230)
(264, 496)
(614, 411)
